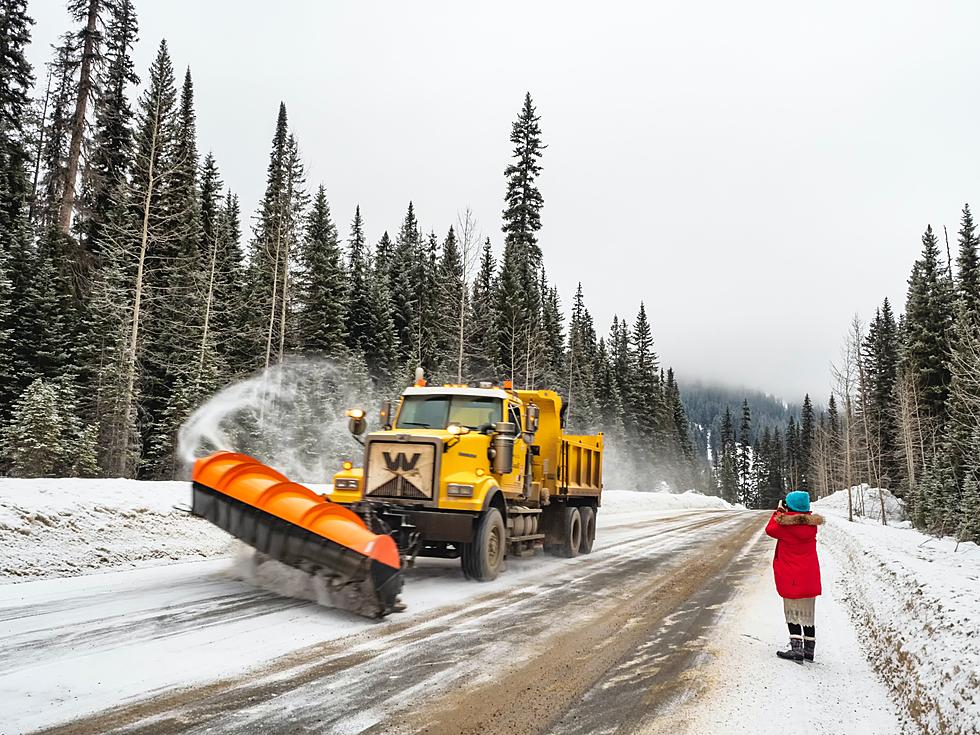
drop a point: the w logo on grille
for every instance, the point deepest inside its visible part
(400, 462)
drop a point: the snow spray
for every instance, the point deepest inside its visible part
(289, 416)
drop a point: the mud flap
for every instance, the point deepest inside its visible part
(293, 525)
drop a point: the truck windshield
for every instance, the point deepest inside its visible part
(438, 412)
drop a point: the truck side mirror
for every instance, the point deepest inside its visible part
(386, 414)
(533, 418)
(356, 423)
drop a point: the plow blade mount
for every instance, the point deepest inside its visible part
(292, 524)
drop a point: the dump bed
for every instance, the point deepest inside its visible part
(580, 466)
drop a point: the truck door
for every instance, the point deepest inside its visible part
(515, 481)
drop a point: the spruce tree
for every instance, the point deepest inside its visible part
(322, 284)
(481, 338)
(32, 440)
(358, 317)
(112, 143)
(403, 273)
(522, 213)
(968, 267)
(806, 445)
(16, 78)
(745, 454)
(582, 410)
(929, 317)
(643, 373)
(381, 352)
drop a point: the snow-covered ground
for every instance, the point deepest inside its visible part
(68, 638)
(916, 601)
(66, 527)
(742, 687)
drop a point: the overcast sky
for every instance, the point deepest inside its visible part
(755, 172)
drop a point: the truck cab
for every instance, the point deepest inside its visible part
(471, 472)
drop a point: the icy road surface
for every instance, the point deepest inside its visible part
(616, 641)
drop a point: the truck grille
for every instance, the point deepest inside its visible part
(400, 470)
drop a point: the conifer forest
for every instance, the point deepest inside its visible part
(133, 287)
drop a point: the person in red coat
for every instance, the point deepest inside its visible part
(797, 571)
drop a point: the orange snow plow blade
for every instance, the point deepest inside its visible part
(294, 525)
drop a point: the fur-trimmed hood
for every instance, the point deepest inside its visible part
(799, 519)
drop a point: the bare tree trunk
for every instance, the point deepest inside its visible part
(207, 311)
(128, 394)
(78, 122)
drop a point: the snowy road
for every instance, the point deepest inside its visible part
(189, 648)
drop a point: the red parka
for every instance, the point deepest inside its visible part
(795, 565)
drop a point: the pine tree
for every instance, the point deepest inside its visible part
(643, 373)
(968, 267)
(112, 144)
(582, 410)
(358, 325)
(481, 338)
(179, 362)
(274, 244)
(728, 471)
(929, 316)
(403, 276)
(745, 455)
(522, 214)
(322, 284)
(806, 445)
(519, 300)
(16, 78)
(381, 353)
(32, 441)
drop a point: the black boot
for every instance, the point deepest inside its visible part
(795, 652)
(808, 646)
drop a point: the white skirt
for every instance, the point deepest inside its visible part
(799, 611)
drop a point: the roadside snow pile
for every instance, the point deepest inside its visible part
(866, 503)
(917, 600)
(67, 527)
(630, 501)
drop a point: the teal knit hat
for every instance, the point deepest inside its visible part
(798, 500)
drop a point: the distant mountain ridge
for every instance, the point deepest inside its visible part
(705, 404)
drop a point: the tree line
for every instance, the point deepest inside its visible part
(904, 413)
(129, 292)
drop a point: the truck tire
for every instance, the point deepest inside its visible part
(588, 529)
(483, 558)
(571, 527)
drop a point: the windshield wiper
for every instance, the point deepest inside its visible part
(415, 423)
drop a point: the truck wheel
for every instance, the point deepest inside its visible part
(483, 558)
(588, 529)
(571, 540)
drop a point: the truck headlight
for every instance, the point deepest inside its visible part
(345, 483)
(460, 491)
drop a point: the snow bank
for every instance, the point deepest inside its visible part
(917, 600)
(629, 501)
(72, 526)
(66, 527)
(866, 502)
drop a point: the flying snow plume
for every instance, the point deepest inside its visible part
(289, 416)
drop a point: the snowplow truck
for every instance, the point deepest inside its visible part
(476, 473)
(457, 471)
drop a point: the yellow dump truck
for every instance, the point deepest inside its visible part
(468, 472)
(476, 473)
